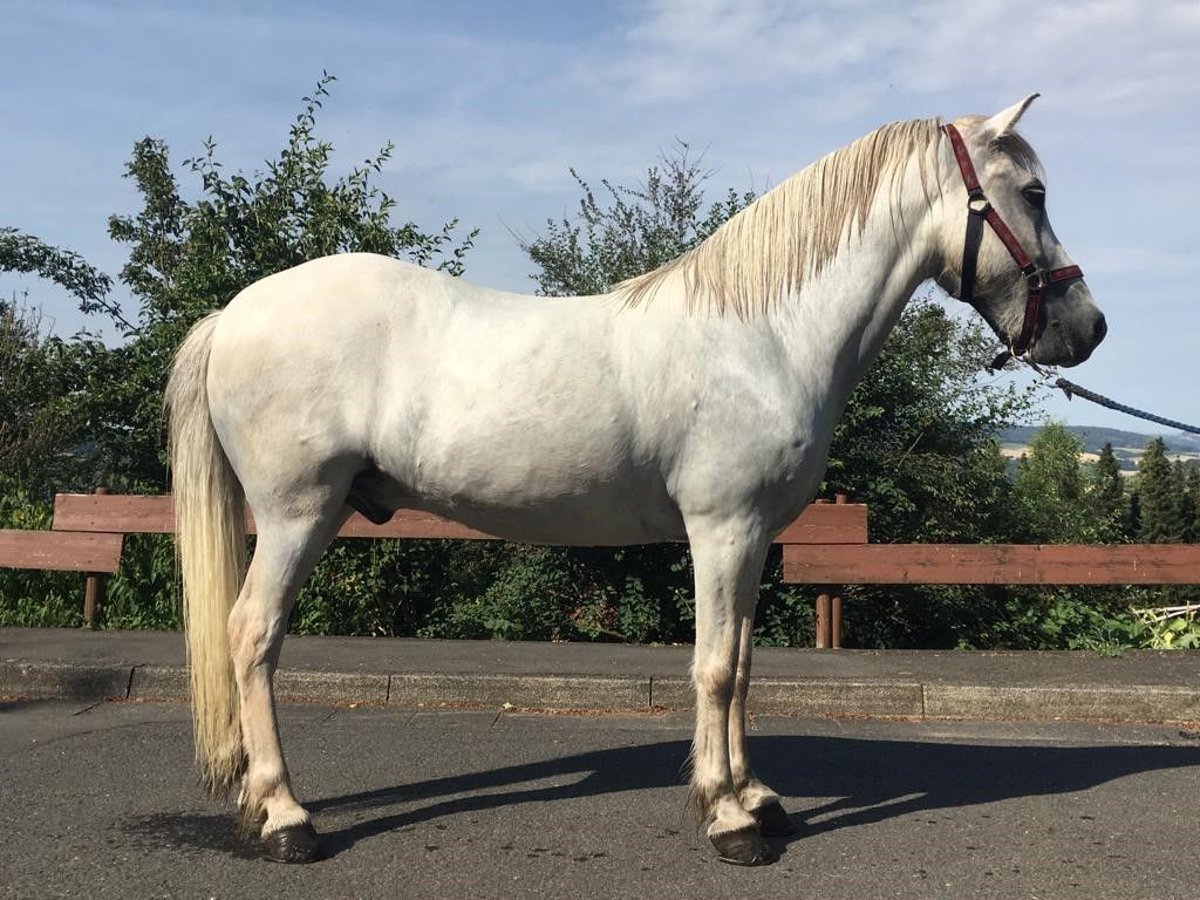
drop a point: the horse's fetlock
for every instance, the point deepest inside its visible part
(728, 815)
(286, 815)
(252, 814)
(754, 795)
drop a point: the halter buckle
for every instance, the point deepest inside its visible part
(977, 204)
(1035, 279)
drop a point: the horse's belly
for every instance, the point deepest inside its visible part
(543, 505)
(528, 442)
(590, 521)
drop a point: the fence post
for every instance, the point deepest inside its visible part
(835, 604)
(93, 589)
(824, 636)
(824, 625)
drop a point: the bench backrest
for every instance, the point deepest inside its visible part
(820, 523)
(60, 552)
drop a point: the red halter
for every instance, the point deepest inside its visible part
(979, 211)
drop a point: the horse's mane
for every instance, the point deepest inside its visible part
(787, 235)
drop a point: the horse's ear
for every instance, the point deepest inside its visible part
(1003, 122)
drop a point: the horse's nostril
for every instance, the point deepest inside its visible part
(1099, 330)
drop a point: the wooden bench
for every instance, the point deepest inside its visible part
(1042, 564)
(102, 520)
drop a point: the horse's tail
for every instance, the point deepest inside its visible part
(211, 549)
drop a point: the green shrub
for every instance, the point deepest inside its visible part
(144, 591)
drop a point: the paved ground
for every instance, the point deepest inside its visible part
(1136, 686)
(99, 801)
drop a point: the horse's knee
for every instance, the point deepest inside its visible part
(713, 683)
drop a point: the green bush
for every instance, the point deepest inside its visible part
(144, 592)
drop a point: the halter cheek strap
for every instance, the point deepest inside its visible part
(979, 211)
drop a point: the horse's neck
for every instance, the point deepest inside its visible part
(837, 322)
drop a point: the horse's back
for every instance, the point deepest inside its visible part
(345, 291)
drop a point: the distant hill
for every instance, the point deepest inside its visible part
(1128, 446)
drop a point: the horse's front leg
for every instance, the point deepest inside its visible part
(728, 559)
(758, 799)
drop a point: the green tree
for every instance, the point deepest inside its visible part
(188, 257)
(635, 230)
(1049, 489)
(1161, 518)
(1135, 514)
(1186, 502)
(27, 254)
(1106, 490)
(42, 375)
(29, 432)
(1058, 501)
(1193, 491)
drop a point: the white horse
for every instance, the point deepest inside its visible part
(697, 401)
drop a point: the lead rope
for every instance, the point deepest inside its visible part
(1073, 390)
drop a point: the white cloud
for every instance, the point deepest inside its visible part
(1087, 57)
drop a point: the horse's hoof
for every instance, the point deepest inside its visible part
(773, 820)
(293, 844)
(744, 847)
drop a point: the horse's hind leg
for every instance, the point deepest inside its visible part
(757, 799)
(288, 547)
(728, 559)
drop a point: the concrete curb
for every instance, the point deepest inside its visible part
(815, 697)
(1136, 703)
(41, 680)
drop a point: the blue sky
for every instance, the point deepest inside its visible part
(490, 103)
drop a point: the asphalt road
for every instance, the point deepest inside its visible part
(101, 802)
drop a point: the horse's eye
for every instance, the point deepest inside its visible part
(1035, 196)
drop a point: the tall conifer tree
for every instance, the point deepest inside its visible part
(1158, 495)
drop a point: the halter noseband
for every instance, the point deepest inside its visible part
(979, 210)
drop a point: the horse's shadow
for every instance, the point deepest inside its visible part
(876, 780)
